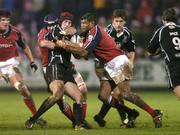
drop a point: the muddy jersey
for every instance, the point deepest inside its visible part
(8, 43)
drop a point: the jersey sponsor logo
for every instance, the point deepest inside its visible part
(177, 55)
(173, 33)
(5, 45)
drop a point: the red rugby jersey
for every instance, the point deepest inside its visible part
(8, 43)
(44, 51)
(101, 45)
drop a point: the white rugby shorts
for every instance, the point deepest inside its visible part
(7, 67)
(119, 69)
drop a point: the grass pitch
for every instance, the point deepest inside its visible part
(13, 114)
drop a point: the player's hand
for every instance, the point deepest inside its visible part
(61, 43)
(33, 66)
(70, 31)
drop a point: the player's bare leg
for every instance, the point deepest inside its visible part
(177, 91)
(99, 118)
(106, 96)
(83, 89)
(57, 90)
(20, 86)
(72, 90)
(135, 99)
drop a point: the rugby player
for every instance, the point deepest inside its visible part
(10, 39)
(166, 40)
(116, 64)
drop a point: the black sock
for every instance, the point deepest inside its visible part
(104, 110)
(77, 109)
(116, 104)
(48, 103)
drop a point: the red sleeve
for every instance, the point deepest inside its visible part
(93, 39)
(41, 35)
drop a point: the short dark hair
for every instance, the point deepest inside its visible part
(120, 13)
(5, 13)
(89, 17)
(169, 15)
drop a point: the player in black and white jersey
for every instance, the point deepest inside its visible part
(59, 74)
(125, 41)
(123, 38)
(166, 40)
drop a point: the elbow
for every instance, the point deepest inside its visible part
(42, 43)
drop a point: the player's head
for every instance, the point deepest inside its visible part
(87, 21)
(119, 18)
(66, 20)
(4, 19)
(169, 15)
(50, 20)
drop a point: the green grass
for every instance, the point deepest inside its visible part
(13, 114)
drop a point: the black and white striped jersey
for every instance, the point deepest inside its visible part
(124, 40)
(167, 38)
(58, 55)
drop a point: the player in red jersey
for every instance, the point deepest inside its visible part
(116, 64)
(10, 38)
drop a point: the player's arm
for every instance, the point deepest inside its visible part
(77, 39)
(72, 47)
(47, 44)
(131, 47)
(154, 47)
(69, 31)
(27, 52)
(44, 40)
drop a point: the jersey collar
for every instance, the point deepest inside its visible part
(170, 23)
(118, 34)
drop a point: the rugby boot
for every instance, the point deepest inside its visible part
(157, 119)
(131, 119)
(86, 125)
(123, 118)
(78, 127)
(29, 124)
(99, 121)
(41, 122)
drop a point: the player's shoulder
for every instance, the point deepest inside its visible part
(109, 28)
(127, 31)
(159, 30)
(94, 29)
(43, 30)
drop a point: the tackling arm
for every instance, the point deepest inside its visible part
(47, 44)
(72, 47)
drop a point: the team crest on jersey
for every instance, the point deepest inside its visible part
(90, 37)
